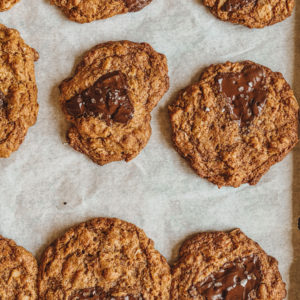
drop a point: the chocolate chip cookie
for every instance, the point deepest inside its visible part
(84, 11)
(251, 13)
(103, 259)
(235, 123)
(110, 97)
(18, 272)
(7, 4)
(221, 265)
(18, 91)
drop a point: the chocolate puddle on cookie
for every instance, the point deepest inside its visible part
(235, 5)
(235, 280)
(245, 92)
(136, 5)
(98, 294)
(107, 98)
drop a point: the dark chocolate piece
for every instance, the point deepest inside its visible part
(136, 5)
(235, 5)
(107, 98)
(98, 294)
(246, 93)
(2, 100)
(235, 280)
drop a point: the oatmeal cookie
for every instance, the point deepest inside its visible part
(251, 13)
(7, 4)
(103, 259)
(18, 91)
(18, 272)
(235, 123)
(225, 265)
(84, 11)
(110, 97)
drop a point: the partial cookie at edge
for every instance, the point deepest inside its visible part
(201, 258)
(84, 11)
(18, 90)
(251, 13)
(18, 272)
(109, 257)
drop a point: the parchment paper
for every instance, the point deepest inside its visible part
(157, 190)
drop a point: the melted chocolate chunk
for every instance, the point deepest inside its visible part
(98, 294)
(2, 100)
(246, 93)
(235, 5)
(107, 98)
(136, 5)
(234, 281)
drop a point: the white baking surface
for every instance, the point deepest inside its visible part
(157, 190)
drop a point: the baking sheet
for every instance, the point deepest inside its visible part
(157, 190)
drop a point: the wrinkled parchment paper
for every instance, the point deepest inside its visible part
(157, 191)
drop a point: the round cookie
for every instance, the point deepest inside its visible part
(221, 265)
(251, 13)
(18, 91)
(110, 97)
(7, 4)
(18, 272)
(84, 11)
(235, 123)
(103, 259)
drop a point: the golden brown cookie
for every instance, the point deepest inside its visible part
(110, 97)
(84, 11)
(225, 265)
(103, 259)
(18, 91)
(18, 272)
(7, 4)
(251, 13)
(235, 123)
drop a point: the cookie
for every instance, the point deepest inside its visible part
(84, 11)
(18, 91)
(225, 265)
(7, 4)
(235, 123)
(251, 13)
(110, 97)
(106, 259)
(18, 272)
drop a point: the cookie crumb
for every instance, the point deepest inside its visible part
(65, 203)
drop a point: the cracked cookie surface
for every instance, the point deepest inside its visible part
(235, 123)
(251, 13)
(110, 97)
(18, 91)
(225, 265)
(104, 259)
(84, 11)
(18, 272)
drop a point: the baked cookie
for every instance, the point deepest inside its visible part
(84, 11)
(110, 97)
(220, 265)
(7, 4)
(251, 13)
(235, 123)
(103, 259)
(18, 272)
(18, 91)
